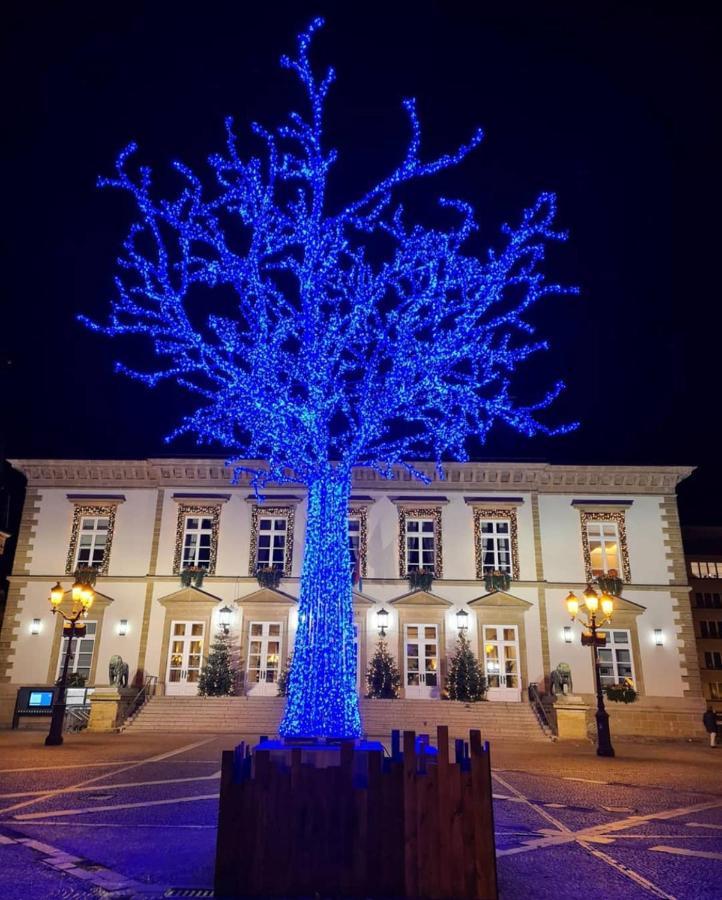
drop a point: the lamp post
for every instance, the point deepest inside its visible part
(592, 602)
(83, 597)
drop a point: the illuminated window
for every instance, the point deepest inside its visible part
(354, 542)
(271, 542)
(715, 690)
(495, 538)
(92, 541)
(197, 542)
(81, 652)
(705, 569)
(603, 540)
(420, 545)
(615, 660)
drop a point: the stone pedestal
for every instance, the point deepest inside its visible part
(109, 707)
(571, 714)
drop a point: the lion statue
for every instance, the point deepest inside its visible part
(118, 671)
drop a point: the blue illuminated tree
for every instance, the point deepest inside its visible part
(357, 338)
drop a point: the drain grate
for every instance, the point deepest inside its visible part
(189, 892)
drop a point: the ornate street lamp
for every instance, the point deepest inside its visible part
(83, 596)
(382, 620)
(592, 638)
(462, 617)
(225, 613)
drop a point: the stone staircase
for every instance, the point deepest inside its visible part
(262, 715)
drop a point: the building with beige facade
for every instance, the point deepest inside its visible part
(548, 528)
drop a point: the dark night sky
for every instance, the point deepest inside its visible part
(613, 106)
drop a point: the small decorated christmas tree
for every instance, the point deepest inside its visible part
(383, 677)
(282, 683)
(216, 679)
(465, 681)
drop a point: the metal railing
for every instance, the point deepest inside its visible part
(143, 695)
(536, 704)
(76, 718)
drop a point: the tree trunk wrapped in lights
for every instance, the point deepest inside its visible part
(358, 338)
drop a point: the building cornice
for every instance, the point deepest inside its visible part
(470, 477)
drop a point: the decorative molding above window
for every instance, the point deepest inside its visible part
(601, 505)
(210, 511)
(601, 516)
(205, 499)
(100, 499)
(91, 511)
(487, 513)
(260, 511)
(495, 502)
(421, 512)
(416, 499)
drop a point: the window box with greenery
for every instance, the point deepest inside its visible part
(497, 581)
(420, 579)
(624, 692)
(610, 583)
(86, 575)
(269, 577)
(193, 575)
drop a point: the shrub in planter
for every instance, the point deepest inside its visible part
(497, 581)
(282, 683)
(623, 692)
(86, 575)
(75, 680)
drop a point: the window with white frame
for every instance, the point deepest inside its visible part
(615, 660)
(420, 545)
(495, 538)
(271, 542)
(354, 542)
(603, 538)
(197, 542)
(81, 652)
(92, 541)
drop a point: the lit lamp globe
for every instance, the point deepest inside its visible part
(572, 604)
(56, 596)
(77, 592)
(591, 599)
(607, 605)
(87, 596)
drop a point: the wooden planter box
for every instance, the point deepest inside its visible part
(416, 825)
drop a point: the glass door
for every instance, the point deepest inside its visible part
(185, 658)
(264, 659)
(501, 662)
(421, 660)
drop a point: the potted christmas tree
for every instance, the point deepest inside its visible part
(217, 677)
(383, 677)
(465, 680)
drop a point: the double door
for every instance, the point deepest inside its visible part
(185, 657)
(421, 661)
(501, 662)
(264, 659)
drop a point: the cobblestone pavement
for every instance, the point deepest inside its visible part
(134, 815)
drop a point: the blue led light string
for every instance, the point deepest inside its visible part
(329, 347)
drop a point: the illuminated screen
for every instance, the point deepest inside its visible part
(41, 698)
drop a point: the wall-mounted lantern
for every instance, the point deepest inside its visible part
(123, 627)
(225, 614)
(462, 620)
(35, 626)
(658, 637)
(567, 634)
(382, 622)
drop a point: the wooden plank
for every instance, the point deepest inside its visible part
(411, 848)
(376, 850)
(484, 840)
(444, 810)
(455, 859)
(224, 880)
(467, 832)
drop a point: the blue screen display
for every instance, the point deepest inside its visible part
(41, 698)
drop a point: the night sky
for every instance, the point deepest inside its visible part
(613, 106)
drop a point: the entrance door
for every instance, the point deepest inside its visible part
(501, 662)
(264, 659)
(421, 657)
(185, 657)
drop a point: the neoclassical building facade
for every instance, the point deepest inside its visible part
(148, 527)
